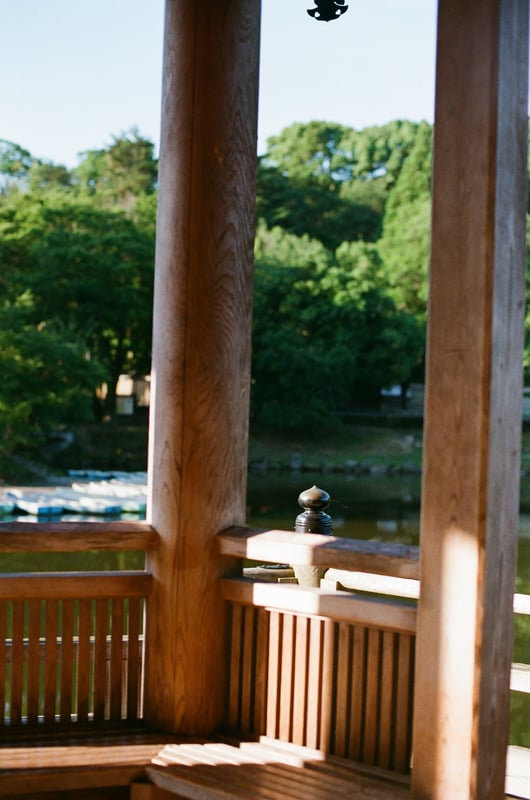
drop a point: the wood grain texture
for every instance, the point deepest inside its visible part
(75, 537)
(275, 546)
(74, 585)
(473, 401)
(338, 688)
(201, 348)
(339, 606)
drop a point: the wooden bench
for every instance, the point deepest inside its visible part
(157, 766)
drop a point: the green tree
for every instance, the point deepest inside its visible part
(15, 163)
(89, 271)
(326, 333)
(329, 181)
(405, 242)
(120, 173)
(47, 375)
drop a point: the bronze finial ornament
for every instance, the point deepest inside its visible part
(326, 10)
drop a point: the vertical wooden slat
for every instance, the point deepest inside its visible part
(404, 694)
(388, 698)
(133, 657)
(3, 658)
(234, 697)
(286, 678)
(201, 349)
(344, 688)
(300, 680)
(472, 428)
(373, 697)
(17, 662)
(34, 661)
(248, 669)
(83, 659)
(327, 685)
(314, 682)
(100, 660)
(67, 658)
(262, 648)
(50, 661)
(116, 658)
(358, 694)
(275, 637)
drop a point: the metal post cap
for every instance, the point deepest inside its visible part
(314, 519)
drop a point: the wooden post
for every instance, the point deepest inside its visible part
(201, 348)
(473, 401)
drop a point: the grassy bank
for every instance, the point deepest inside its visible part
(121, 444)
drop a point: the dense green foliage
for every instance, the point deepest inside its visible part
(340, 280)
(76, 270)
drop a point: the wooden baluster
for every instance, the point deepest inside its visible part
(344, 688)
(3, 659)
(300, 679)
(286, 678)
(262, 647)
(84, 658)
(133, 657)
(404, 692)
(116, 658)
(274, 671)
(34, 661)
(387, 700)
(67, 659)
(100, 660)
(358, 693)
(234, 698)
(50, 661)
(17, 662)
(248, 656)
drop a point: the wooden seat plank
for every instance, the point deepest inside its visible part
(194, 770)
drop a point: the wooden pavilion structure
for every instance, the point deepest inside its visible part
(246, 689)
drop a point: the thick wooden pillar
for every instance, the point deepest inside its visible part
(473, 405)
(201, 349)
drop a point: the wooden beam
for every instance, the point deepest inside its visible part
(201, 348)
(75, 537)
(473, 401)
(73, 585)
(384, 558)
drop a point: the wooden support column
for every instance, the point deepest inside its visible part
(473, 403)
(201, 349)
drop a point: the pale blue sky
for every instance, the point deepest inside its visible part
(75, 73)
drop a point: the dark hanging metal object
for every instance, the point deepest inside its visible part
(327, 10)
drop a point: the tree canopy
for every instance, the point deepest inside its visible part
(341, 261)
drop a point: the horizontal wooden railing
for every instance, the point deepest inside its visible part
(324, 669)
(328, 668)
(72, 643)
(322, 551)
(76, 537)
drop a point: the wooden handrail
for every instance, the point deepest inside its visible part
(76, 537)
(73, 585)
(399, 560)
(338, 606)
